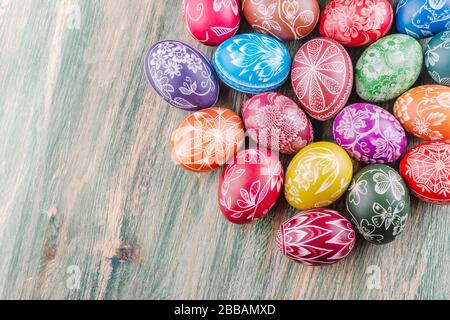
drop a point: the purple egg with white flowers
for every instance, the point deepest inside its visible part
(369, 133)
(181, 75)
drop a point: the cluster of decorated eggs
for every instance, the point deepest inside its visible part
(322, 77)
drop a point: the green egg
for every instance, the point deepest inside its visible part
(379, 203)
(388, 68)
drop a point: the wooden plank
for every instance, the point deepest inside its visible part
(88, 191)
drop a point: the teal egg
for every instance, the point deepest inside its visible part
(437, 58)
(388, 68)
(378, 202)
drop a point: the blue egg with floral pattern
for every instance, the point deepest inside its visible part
(181, 75)
(437, 58)
(422, 18)
(252, 63)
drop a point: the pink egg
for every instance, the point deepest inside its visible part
(211, 21)
(277, 122)
(316, 237)
(322, 77)
(250, 185)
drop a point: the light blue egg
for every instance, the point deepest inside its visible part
(422, 18)
(252, 63)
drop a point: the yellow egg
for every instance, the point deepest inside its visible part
(317, 176)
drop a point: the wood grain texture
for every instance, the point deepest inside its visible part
(86, 180)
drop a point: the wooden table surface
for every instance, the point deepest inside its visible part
(92, 207)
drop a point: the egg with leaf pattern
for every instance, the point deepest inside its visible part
(250, 185)
(322, 77)
(284, 19)
(317, 176)
(252, 63)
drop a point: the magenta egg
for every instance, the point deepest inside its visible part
(211, 22)
(277, 122)
(250, 185)
(369, 133)
(316, 237)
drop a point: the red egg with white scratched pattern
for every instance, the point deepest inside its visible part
(322, 77)
(211, 21)
(277, 122)
(356, 22)
(426, 170)
(250, 185)
(316, 237)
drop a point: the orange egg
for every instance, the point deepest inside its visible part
(206, 139)
(424, 111)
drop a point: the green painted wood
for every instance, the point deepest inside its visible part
(87, 187)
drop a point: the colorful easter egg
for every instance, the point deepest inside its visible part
(379, 203)
(277, 122)
(317, 176)
(252, 63)
(250, 185)
(206, 139)
(284, 19)
(369, 133)
(424, 111)
(211, 22)
(356, 22)
(322, 77)
(388, 68)
(437, 58)
(426, 170)
(316, 237)
(181, 75)
(422, 18)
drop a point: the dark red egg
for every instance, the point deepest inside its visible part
(426, 170)
(316, 237)
(250, 185)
